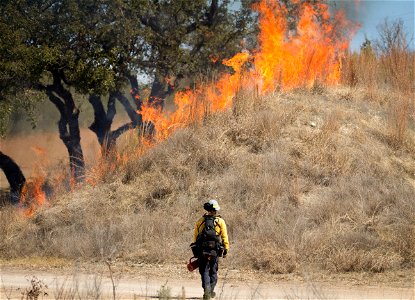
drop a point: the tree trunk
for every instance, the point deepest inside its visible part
(101, 126)
(14, 176)
(103, 121)
(68, 125)
(71, 137)
(76, 156)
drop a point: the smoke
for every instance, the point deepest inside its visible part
(369, 14)
(352, 7)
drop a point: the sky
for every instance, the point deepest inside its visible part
(370, 13)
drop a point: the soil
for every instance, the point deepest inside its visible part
(127, 280)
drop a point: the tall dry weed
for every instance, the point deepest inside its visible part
(387, 64)
(399, 114)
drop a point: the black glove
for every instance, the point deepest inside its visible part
(225, 252)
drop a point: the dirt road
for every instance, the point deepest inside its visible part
(126, 284)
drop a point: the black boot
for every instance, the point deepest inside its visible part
(207, 295)
(212, 293)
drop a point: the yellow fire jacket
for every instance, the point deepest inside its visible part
(220, 228)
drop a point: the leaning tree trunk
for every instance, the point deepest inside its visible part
(14, 176)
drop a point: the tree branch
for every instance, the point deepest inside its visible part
(132, 114)
(99, 113)
(58, 102)
(120, 130)
(63, 121)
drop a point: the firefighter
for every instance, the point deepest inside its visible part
(210, 242)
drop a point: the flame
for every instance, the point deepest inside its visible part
(285, 60)
(312, 54)
(214, 58)
(189, 104)
(33, 195)
(221, 94)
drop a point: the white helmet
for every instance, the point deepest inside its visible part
(214, 204)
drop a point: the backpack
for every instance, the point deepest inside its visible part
(208, 240)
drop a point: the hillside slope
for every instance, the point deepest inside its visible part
(306, 179)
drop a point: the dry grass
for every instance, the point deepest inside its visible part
(304, 179)
(385, 71)
(321, 178)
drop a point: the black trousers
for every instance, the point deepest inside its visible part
(208, 269)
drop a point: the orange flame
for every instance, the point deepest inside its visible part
(32, 195)
(214, 58)
(313, 54)
(284, 60)
(188, 102)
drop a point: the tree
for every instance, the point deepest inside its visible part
(62, 47)
(102, 123)
(170, 39)
(183, 38)
(90, 47)
(13, 73)
(393, 49)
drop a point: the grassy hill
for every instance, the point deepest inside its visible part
(310, 179)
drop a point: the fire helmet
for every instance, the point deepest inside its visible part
(211, 205)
